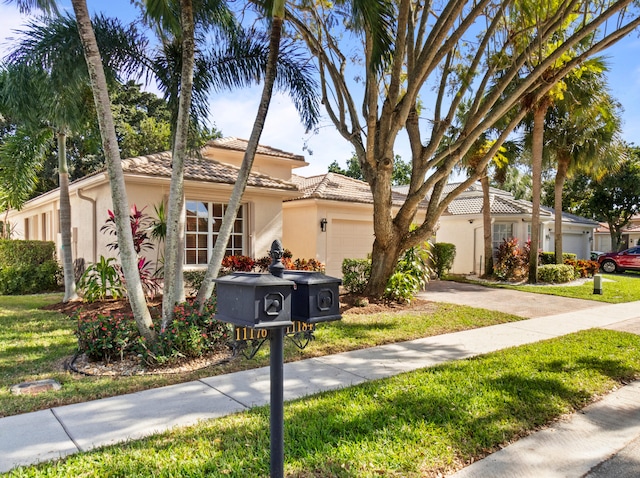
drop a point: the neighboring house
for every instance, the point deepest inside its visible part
(630, 236)
(209, 180)
(462, 225)
(331, 220)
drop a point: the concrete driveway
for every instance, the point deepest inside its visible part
(523, 304)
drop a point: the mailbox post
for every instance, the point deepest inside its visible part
(271, 302)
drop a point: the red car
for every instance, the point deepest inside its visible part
(620, 261)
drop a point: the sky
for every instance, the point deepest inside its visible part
(233, 112)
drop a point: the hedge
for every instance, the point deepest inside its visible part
(28, 267)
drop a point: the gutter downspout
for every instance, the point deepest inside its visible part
(94, 224)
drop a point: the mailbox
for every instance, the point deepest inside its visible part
(315, 297)
(254, 300)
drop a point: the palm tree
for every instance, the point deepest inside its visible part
(580, 126)
(45, 87)
(100, 90)
(213, 69)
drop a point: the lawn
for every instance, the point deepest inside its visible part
(421, 423)
(616, 288)
(34, 344)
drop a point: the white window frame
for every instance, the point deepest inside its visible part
(199, 242)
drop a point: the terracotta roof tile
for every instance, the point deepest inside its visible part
(199, 169)
(238, 144)
(336, 187)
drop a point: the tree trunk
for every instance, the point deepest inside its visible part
(128, 256)
(561, 176)
(382, 267)
(173, 246)
(206, 289)
(487, 227)
(537, 144)
(65, 220)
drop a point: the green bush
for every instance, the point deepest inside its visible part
(411, 274)
(28, 267)
(550, 257)
(106, 338)
(190, 334)
(355, 274)
(443, 254)
(101, 280)
(556, 273)
(193, 280)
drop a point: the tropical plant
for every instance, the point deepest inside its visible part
(101, 281)
(443, 255)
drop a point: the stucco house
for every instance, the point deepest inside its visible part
(630, 236)
(462, 225)
(209, 180)
(331, 219)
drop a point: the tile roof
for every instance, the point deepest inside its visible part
(237, 144)
(336, 187)
(199, 169)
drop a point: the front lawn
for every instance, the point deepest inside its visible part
(423, 423)
(35, 343)
(616, 288)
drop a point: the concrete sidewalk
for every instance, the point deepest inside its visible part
(49, 434)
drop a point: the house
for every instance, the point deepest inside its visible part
(331, 219)
(209, 180)
(461, 224)
(630, 236)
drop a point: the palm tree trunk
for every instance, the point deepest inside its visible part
(230, 214)
(537, 143)
(65, 220)
(173, 248)
(486, 225)
(561, 176)
(128, 256)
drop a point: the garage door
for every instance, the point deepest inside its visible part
(347, 239)
(574, 244)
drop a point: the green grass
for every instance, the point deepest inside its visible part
(34, 343)
(416, 424)
(616, 288)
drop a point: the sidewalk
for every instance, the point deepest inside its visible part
(49, 434)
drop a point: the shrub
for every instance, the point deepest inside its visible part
(583, 268)
(101, 280)
(512, 261)
(556, 273)
(355, 274)
(411, 274)
(28, 267)
(443, 255)
(550, 257)
(190, 334)
(193, 280)
(104, 337)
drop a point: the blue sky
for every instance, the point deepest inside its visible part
(233, 112)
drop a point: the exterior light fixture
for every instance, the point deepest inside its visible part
(323, 224)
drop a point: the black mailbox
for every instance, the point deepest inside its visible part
(254, 300)
(316, 297)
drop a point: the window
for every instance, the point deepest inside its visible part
(500, 233)
(203, 220)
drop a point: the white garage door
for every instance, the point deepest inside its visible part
(347, 239)
(574, 244)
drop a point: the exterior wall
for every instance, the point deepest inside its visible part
(468, 238)
(270, 165)
(303, 236)
(91, 201)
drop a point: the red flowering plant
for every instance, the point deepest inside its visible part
(141, 224)
(190, 334)
(103, 337)
(237, 264)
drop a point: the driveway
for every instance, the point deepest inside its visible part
(523, 304)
